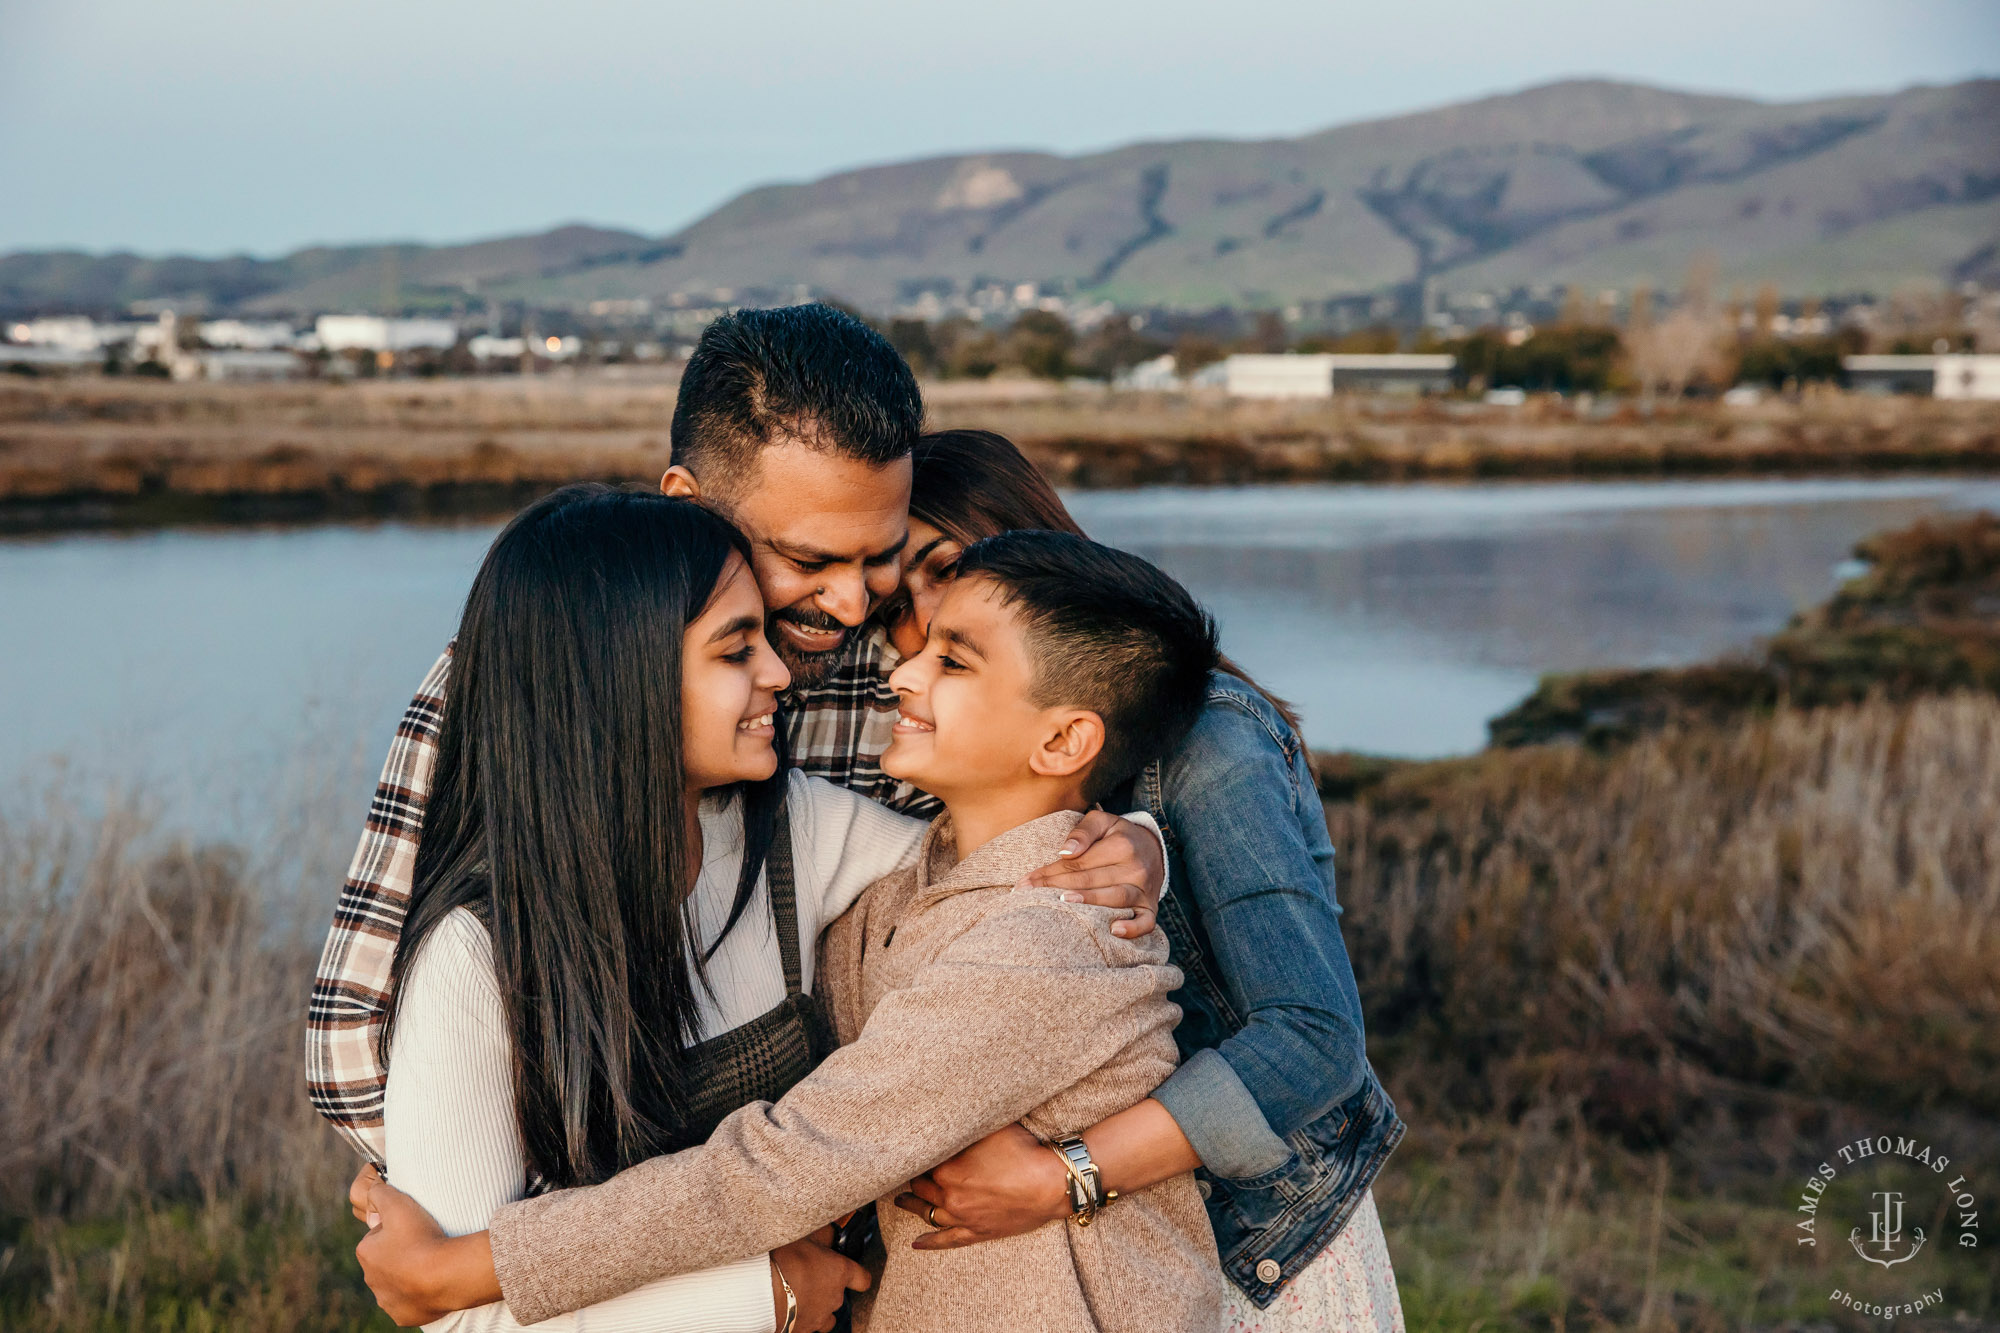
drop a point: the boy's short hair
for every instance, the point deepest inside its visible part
(1107, 631)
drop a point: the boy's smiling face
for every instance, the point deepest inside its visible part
(970, 724)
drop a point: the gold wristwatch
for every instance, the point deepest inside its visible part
(1087, 1194)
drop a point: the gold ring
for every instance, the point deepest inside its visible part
(930, 1215)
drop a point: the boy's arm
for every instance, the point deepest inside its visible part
(344, 1079)
(1019, 1008)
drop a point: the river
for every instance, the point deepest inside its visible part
(226, 672)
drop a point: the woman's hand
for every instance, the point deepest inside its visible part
(417, 1273)
(1110, 862)
(1007, 1184)
(820, 1278)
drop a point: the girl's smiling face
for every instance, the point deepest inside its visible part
(730, 679)
(928, 570)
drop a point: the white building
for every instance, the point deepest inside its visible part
(487, 347)
(1321, 375)
(1157, 374)
(374, 333)
(1967, 375)
(1890, 374)
(73, 333)
(259, 337)
(248, 364)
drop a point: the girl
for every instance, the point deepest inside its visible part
(587, 976)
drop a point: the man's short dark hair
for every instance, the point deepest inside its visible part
(1109, 632)
(809, 373)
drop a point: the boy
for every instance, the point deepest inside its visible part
(1054, 671)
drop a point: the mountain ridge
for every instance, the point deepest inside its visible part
(1591, 182)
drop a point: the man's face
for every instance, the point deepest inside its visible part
(827, 534)
(968, 720)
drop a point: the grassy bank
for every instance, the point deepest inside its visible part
(161, 1168)
(1626, 1000)
(93, 451)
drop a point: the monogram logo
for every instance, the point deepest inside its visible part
(1898, 1184)
(1885, 1231)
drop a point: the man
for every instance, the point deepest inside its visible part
(796, 424)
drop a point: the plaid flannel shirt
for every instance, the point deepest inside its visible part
(836, 730)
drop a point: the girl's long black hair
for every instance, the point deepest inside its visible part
(559, 815)
(974, 484)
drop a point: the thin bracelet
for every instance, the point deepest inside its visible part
(791, 1298)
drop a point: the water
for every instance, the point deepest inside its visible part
(226, 671)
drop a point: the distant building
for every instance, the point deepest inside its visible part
(248, 364)
(75, 333)
(1967, 376)
(1948, 375)
(487, 347)
(374, 333)
(1302, 375)
(239, 333)
(1890, 374)
(1157, 374)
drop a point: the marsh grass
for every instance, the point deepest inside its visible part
(161, 1168)
(1626, 1000)
(1629, 999)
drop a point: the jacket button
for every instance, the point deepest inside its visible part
(1205, 1188)
(1268, 1270)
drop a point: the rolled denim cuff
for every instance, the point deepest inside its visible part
(1221, 1119)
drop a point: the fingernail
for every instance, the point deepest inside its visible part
(374, 1220)
(1072, 896)
(1070, 848)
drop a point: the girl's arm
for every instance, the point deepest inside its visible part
(1019, 1006)
(454, 1148)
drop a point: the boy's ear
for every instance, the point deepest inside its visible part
(1070, 744)
(680, 482)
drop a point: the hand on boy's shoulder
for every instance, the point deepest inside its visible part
(1044, 927)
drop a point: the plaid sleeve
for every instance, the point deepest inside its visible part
(350, 991)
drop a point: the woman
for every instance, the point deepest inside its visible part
(587, 976)
(1274, 1101)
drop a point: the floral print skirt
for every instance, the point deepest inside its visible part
(1349, 1287)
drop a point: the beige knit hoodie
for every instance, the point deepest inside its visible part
(964, 1006)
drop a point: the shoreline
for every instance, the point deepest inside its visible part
(82, 455)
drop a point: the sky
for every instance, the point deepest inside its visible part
(242, 126)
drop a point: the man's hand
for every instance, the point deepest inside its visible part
(820, 1278)
(1110, 862)
(417, 1272)
(1007, 1184)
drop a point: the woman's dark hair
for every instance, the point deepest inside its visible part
(975, 484)
(559, 815)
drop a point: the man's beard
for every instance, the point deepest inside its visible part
(808, 669)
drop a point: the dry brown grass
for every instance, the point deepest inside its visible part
(1808, 903)
(1617, 996)
(161, 1167)
(90, 449)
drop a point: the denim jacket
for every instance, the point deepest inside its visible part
(1275, 1091)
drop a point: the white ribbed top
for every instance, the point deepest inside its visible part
(449, 1116)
